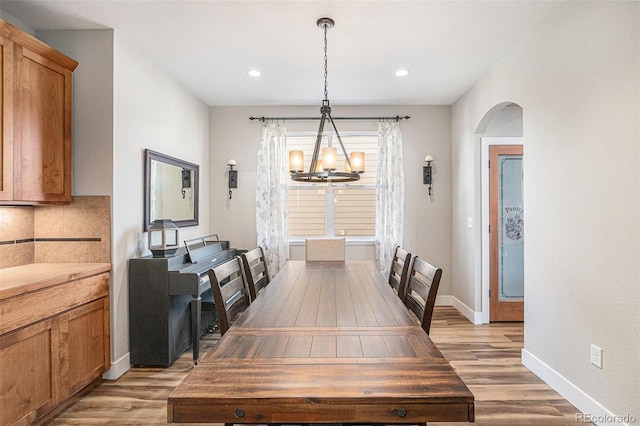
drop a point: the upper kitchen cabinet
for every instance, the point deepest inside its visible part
(36, 120)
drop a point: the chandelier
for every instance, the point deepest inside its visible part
(325, 169)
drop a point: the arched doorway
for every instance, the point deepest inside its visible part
(500, 136)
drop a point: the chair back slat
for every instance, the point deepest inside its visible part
(229, 290)
(399, 271)
(253, 255)
(258, 269)
(255, 271)
(421, 290)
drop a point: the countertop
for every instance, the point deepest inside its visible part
(36, 276)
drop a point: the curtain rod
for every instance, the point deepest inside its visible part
(263, 119)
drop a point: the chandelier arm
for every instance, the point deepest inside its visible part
(316, 149)
(344, 151)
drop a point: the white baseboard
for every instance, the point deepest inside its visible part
(592, 409)
(444, 301)
(474, 317)
(118, 368)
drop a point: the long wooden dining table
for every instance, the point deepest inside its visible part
(325, 342)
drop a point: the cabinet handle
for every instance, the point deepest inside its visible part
(402, 413)
(239, 413)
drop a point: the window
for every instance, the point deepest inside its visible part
(340, 209)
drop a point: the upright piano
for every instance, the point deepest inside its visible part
(166, 313)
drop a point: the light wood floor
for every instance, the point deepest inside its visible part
(487, 358)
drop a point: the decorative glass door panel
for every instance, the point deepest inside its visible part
(510, 228)
(506, 233)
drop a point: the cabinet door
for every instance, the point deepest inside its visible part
(42, 137)
(6, 119)
(86, 330)
(29, 381)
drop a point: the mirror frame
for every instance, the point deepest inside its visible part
(149, 156)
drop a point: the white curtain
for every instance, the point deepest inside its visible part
(271, 197)
(389, 193)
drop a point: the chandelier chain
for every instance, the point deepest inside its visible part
(326, 93)
(324, 170)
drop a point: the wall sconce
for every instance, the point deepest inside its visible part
(186, 181)
(233, 176)
(163, 238)
(427, 177)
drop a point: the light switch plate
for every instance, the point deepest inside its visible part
(596, 356)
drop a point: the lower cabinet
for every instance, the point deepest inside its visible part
(87, 344)
(45, 363)
(29, 383)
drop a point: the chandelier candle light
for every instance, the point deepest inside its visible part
(324, 169)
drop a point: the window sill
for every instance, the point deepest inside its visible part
(350, 241)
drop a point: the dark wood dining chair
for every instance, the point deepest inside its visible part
(255, 270)
(399, 270)
(230, 292)
(421, 289)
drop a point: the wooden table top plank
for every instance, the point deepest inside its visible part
(324, 342)
(266, 362)
(308, 313)
(277, 309)
(388, 310)
(283, 311)
(292, 305)
(380, 299)
(349, 347)
(324, 346)
(274, 346)
(374, 347)
(365, 314)
(375, 381)
(248, 347)
(399, 346)
(298, 347)
(345, 312)
(327, 316)
(409, 330)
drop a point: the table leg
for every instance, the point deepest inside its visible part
(196, 307)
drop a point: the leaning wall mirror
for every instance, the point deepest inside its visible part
(170, 190)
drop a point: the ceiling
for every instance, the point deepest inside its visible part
(209, 45)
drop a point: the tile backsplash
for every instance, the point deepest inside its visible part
(16, 236)
(79, 232)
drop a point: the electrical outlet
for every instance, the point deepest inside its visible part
(596, 356)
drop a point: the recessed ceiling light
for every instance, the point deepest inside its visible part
(402, 73)
(254, 73)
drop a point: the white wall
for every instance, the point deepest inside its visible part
(150, 111)
(123, 104)
(504, 122)
(427, 221)
(92, 115)
(578, 83)
(17, 23)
